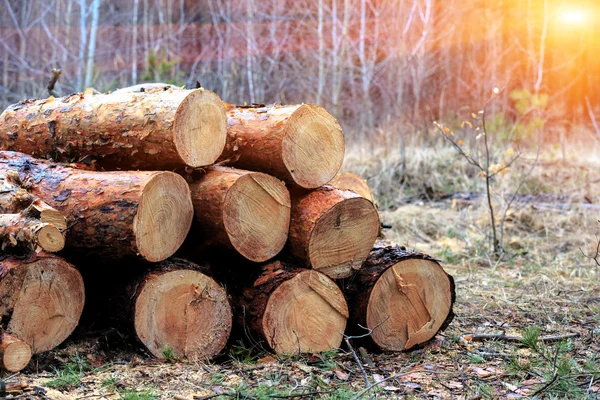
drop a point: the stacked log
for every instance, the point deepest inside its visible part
(275, 235)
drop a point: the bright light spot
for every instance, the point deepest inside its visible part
(496, 90)
(573, 17)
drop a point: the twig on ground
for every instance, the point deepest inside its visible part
(546, 386)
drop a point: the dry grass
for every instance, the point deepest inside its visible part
(542, 285)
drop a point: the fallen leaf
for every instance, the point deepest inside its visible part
(341, 375)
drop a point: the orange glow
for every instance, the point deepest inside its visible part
(573, 17)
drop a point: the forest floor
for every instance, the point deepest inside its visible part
(542, 286)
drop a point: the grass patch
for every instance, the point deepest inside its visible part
(69, 376)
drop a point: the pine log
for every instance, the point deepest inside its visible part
(332, 230)
(294, 309)
(405, 298)
(122, 213)
(14, 353)
(154, 130)
(301, 144)
(41, 299)
(352, 182)
(177, 307)
(27, 229)
(243, 210)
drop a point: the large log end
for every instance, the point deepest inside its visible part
(305, 314)
(183, 311)
(313, 146)
(200, 128)
(256, 215)
(164, 216)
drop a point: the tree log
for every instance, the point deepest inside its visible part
(301, 144)
(295, 310)
(405, 298)
(41, 299)
(332, 230)
(352, 182)
(115, 213)
(243, 210)
(14, 353)
(178, 308)
(154, 130)
(27, 229)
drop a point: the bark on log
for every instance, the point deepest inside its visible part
(115, 213)
(178, 307)
(352, 182)
(301, 144)
(155, 130)
(243, 210)
(332, 230)
(41, 299)
(406, 298)
(14, 353)
(295, 310)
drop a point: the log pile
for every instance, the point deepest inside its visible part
(135, 178)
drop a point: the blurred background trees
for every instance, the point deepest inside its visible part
(378, 65)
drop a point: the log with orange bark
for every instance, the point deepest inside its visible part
(153, 130)
(301, 144)
(241, 210)
(295, 310)
(404, 297)
(143, 213)
(41, 299)
(332, 230)
(352, 182)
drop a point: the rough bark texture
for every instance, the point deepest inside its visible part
(153, 130)
(243, 210)
(178, 307)
(301, 144)
(413, 292)
(295, 310)
(115, 213)
(332, 230)
(41, 299)
(14, 353)
(352, 182)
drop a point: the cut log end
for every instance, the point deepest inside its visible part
(183, 311)
(343, 237)
(200, 128)
(51, 239)
(46, 297)
(352, 182)
(306, 314)
(14, 353)
(164, 216)
(408, 304)
(256, 215)
(313, 146)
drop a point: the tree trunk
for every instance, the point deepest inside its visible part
(14, 353)
(123, 213)
(152, 130)
(301, 144)
(295, 310)
(332, 230)
(352, 182)
(176, 307)
(406, 298)
(41, 299)
(243, 210)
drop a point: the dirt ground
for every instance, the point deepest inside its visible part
(538, 304)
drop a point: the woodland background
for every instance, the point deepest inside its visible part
(378, 65)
